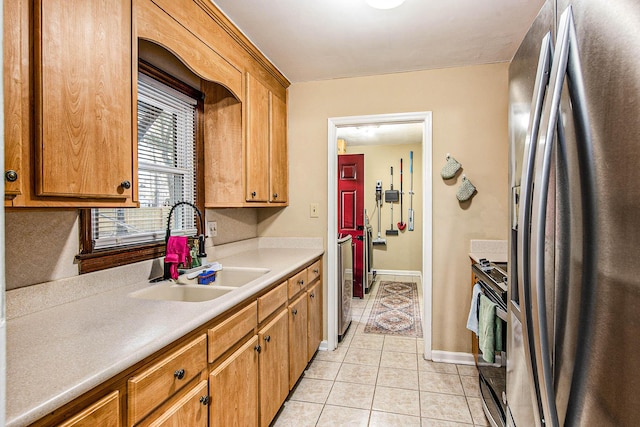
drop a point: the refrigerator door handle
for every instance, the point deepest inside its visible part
(524, 214)
(566, 63)
(584, 145)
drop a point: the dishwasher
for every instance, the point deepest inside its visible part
(345, 284)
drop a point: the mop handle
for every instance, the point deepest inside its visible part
(411, 158)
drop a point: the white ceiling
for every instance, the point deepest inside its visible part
(311, 40)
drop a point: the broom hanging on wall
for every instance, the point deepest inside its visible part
(401, 225)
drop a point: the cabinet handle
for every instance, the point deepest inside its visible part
(316, 271)
(179, 374)
(300, 282)
(258, 348)
(294, 311)
(253, 194)
(205, 400)
(312, 295)
(125, 184)
(275, 195)
(267, 338)
(11, 175)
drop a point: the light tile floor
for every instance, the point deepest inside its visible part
(382, 380)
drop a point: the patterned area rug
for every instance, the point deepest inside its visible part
(396, 310)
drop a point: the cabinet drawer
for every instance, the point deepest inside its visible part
(189, 410)
(155, 384)
(297, 283)
(314, 271)
(269, 302)
(223, 336)
(105, 412)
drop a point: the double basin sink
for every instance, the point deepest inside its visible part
(188, 290)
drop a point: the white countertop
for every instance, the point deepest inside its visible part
(59, 353)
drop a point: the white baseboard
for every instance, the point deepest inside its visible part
(452, 357)
(324, 345)
(398, 272)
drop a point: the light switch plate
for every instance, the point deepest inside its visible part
(313, 210)
(212, 228)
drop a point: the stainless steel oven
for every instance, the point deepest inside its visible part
(492, 279)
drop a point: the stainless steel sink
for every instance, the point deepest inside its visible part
(170, 291)
(188, 290)
(230, 277)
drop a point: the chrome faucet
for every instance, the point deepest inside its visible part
(201, 237)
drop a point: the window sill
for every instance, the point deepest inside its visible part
(101, 260)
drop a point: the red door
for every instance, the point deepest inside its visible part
(351, 211)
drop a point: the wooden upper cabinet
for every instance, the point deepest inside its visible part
(84, 110)
(257, 154)
(279, 163)
(223, 147)
(16, 96)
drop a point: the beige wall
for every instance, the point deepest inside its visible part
(469, 106)
(404, 251)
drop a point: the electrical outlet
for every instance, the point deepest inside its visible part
(212, 228)
(313, 210)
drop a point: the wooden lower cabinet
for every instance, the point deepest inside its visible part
(190, 410)
(155, 384)
(297, 338)
(236, 370)
(274, 367)
(233, 387)
(314, 308)
(105, 412)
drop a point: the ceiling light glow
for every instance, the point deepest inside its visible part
(384, 4)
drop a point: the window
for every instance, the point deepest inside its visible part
(167, 174)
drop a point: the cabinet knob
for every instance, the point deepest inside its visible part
(316, 271)
(312, 295)
(267, 338)
(294, 311)
(275, 195)
(205, 400)
(11, 175)
(179, 374)
(301, 282)
(258, 348)
(125, 184)
(253, 194)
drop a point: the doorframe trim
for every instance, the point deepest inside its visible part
(424, 117)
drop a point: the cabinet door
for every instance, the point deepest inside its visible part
(16, 95)
(274, 367)
(233, 387)
(314, 331)
(257, 154)
(83, 85)
(297, 338)
(105, 412)
(190, 410)
(279, 163)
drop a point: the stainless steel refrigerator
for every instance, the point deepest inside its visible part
(573, 355)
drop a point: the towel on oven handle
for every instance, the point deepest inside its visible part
(472, 321)
(489, 329)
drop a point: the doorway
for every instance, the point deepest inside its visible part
(423, 212)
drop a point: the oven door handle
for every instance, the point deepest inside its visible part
(501, 314)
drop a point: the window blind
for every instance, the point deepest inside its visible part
(166, 171)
